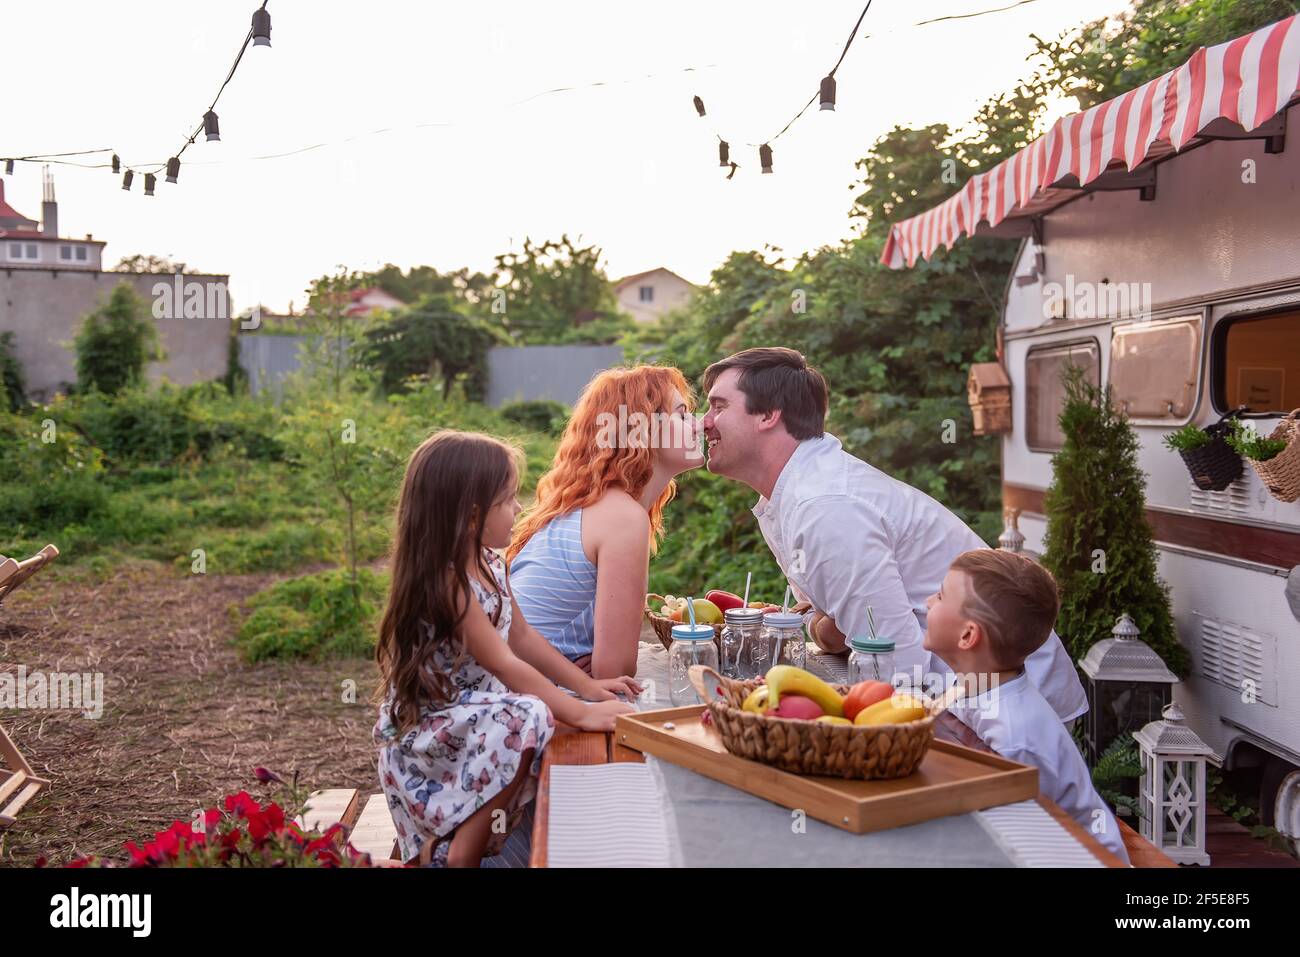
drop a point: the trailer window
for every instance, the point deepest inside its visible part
(1045, 389)
(1260, 364)
(1154, 366)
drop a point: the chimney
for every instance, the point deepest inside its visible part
(49, 208)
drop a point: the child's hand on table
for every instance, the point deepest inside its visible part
(600, 715)
(609, 688)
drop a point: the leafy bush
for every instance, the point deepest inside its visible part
(1187, 439)
(1245, 440)
(115, 342)
(316, 616)
(538, 415)
(12, 386)
(1117, 768)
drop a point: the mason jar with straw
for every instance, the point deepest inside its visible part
(742, 639)
(783, 637)
(692, 645)
(871, 658)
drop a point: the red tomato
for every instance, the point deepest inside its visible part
(864, 694)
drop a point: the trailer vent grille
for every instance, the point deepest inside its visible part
(1233, 500)
(1233, 655)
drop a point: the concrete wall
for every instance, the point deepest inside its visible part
(545, 372)
(268, 359)
(44, 307)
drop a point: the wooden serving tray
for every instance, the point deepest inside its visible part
(952, 779)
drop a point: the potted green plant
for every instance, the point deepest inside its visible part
(1211, 462)
(1275, 459)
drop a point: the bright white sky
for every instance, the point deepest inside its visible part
(628, 166)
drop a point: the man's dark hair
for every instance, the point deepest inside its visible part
(776, 378)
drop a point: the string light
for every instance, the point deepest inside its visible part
(699, 106)
(210, 127)
(261, 27)
(724, 152)
(149, 180)
(117, 164)
(126, 180)
(828, 93)
(765, 157)
(173, 169)
(9, 167)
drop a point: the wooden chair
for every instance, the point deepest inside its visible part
(18, 782)
(13, 574)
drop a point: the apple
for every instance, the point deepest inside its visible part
(864, 694)
(725, 600)
(706, 613)
(796, 706)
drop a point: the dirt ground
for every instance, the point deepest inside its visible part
(185, 721)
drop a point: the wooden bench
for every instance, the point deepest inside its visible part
(366, 817)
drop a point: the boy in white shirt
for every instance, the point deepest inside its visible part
(992, 611)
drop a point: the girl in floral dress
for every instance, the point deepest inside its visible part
(469, 689)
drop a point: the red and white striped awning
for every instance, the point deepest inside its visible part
(1247, 81)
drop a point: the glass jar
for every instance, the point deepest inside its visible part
(692, 645)
(870, 659)
(783, 640)
(742, 641)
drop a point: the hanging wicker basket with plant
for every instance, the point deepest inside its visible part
(1211, 462)
(1275, 459)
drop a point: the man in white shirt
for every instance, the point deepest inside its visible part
(846, 535)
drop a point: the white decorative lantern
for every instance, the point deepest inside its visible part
(1172, 791)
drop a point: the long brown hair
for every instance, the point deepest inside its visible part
(585, 468)
(451, 483)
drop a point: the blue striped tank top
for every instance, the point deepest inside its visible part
(555, 585)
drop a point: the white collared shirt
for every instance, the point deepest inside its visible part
(1017, 722)
(847, 535)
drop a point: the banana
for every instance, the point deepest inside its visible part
(899, 709)
(756, 700)
(831, 719)
(787, 679)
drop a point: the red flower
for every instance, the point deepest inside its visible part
(266, 777)
(242, 804)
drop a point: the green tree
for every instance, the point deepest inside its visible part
(1099, 544)
(434, 338)
(115, 343)
(557, 291)
(12, 383)
(1110, 56)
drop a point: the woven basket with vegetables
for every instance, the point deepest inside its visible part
(887, 738)
(1275, 459)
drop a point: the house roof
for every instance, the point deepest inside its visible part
(34, 234)
(7, 211)
(628, 280)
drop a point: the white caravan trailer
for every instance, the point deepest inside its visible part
(1160, 249)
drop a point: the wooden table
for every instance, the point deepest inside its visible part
(570, 746)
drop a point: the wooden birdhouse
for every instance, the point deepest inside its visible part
(988, 390)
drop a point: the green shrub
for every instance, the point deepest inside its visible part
(537, 415)
(13, 390)
(115, 343)
(1243, 438)
(1187, 439)
(315, 616)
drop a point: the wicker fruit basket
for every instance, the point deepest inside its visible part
(664, 629)
(812, 747)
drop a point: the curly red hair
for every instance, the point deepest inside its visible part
(585, 468)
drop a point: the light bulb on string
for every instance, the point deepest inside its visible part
(149, 180)
(117, 164)
(724, 153)
(9, 167)
(699, 106)
(211, 128)
(828, 93)
(126, 180)
(765, 157)
(261, 28)
(173, 169)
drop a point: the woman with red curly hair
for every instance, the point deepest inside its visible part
(580, 557)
